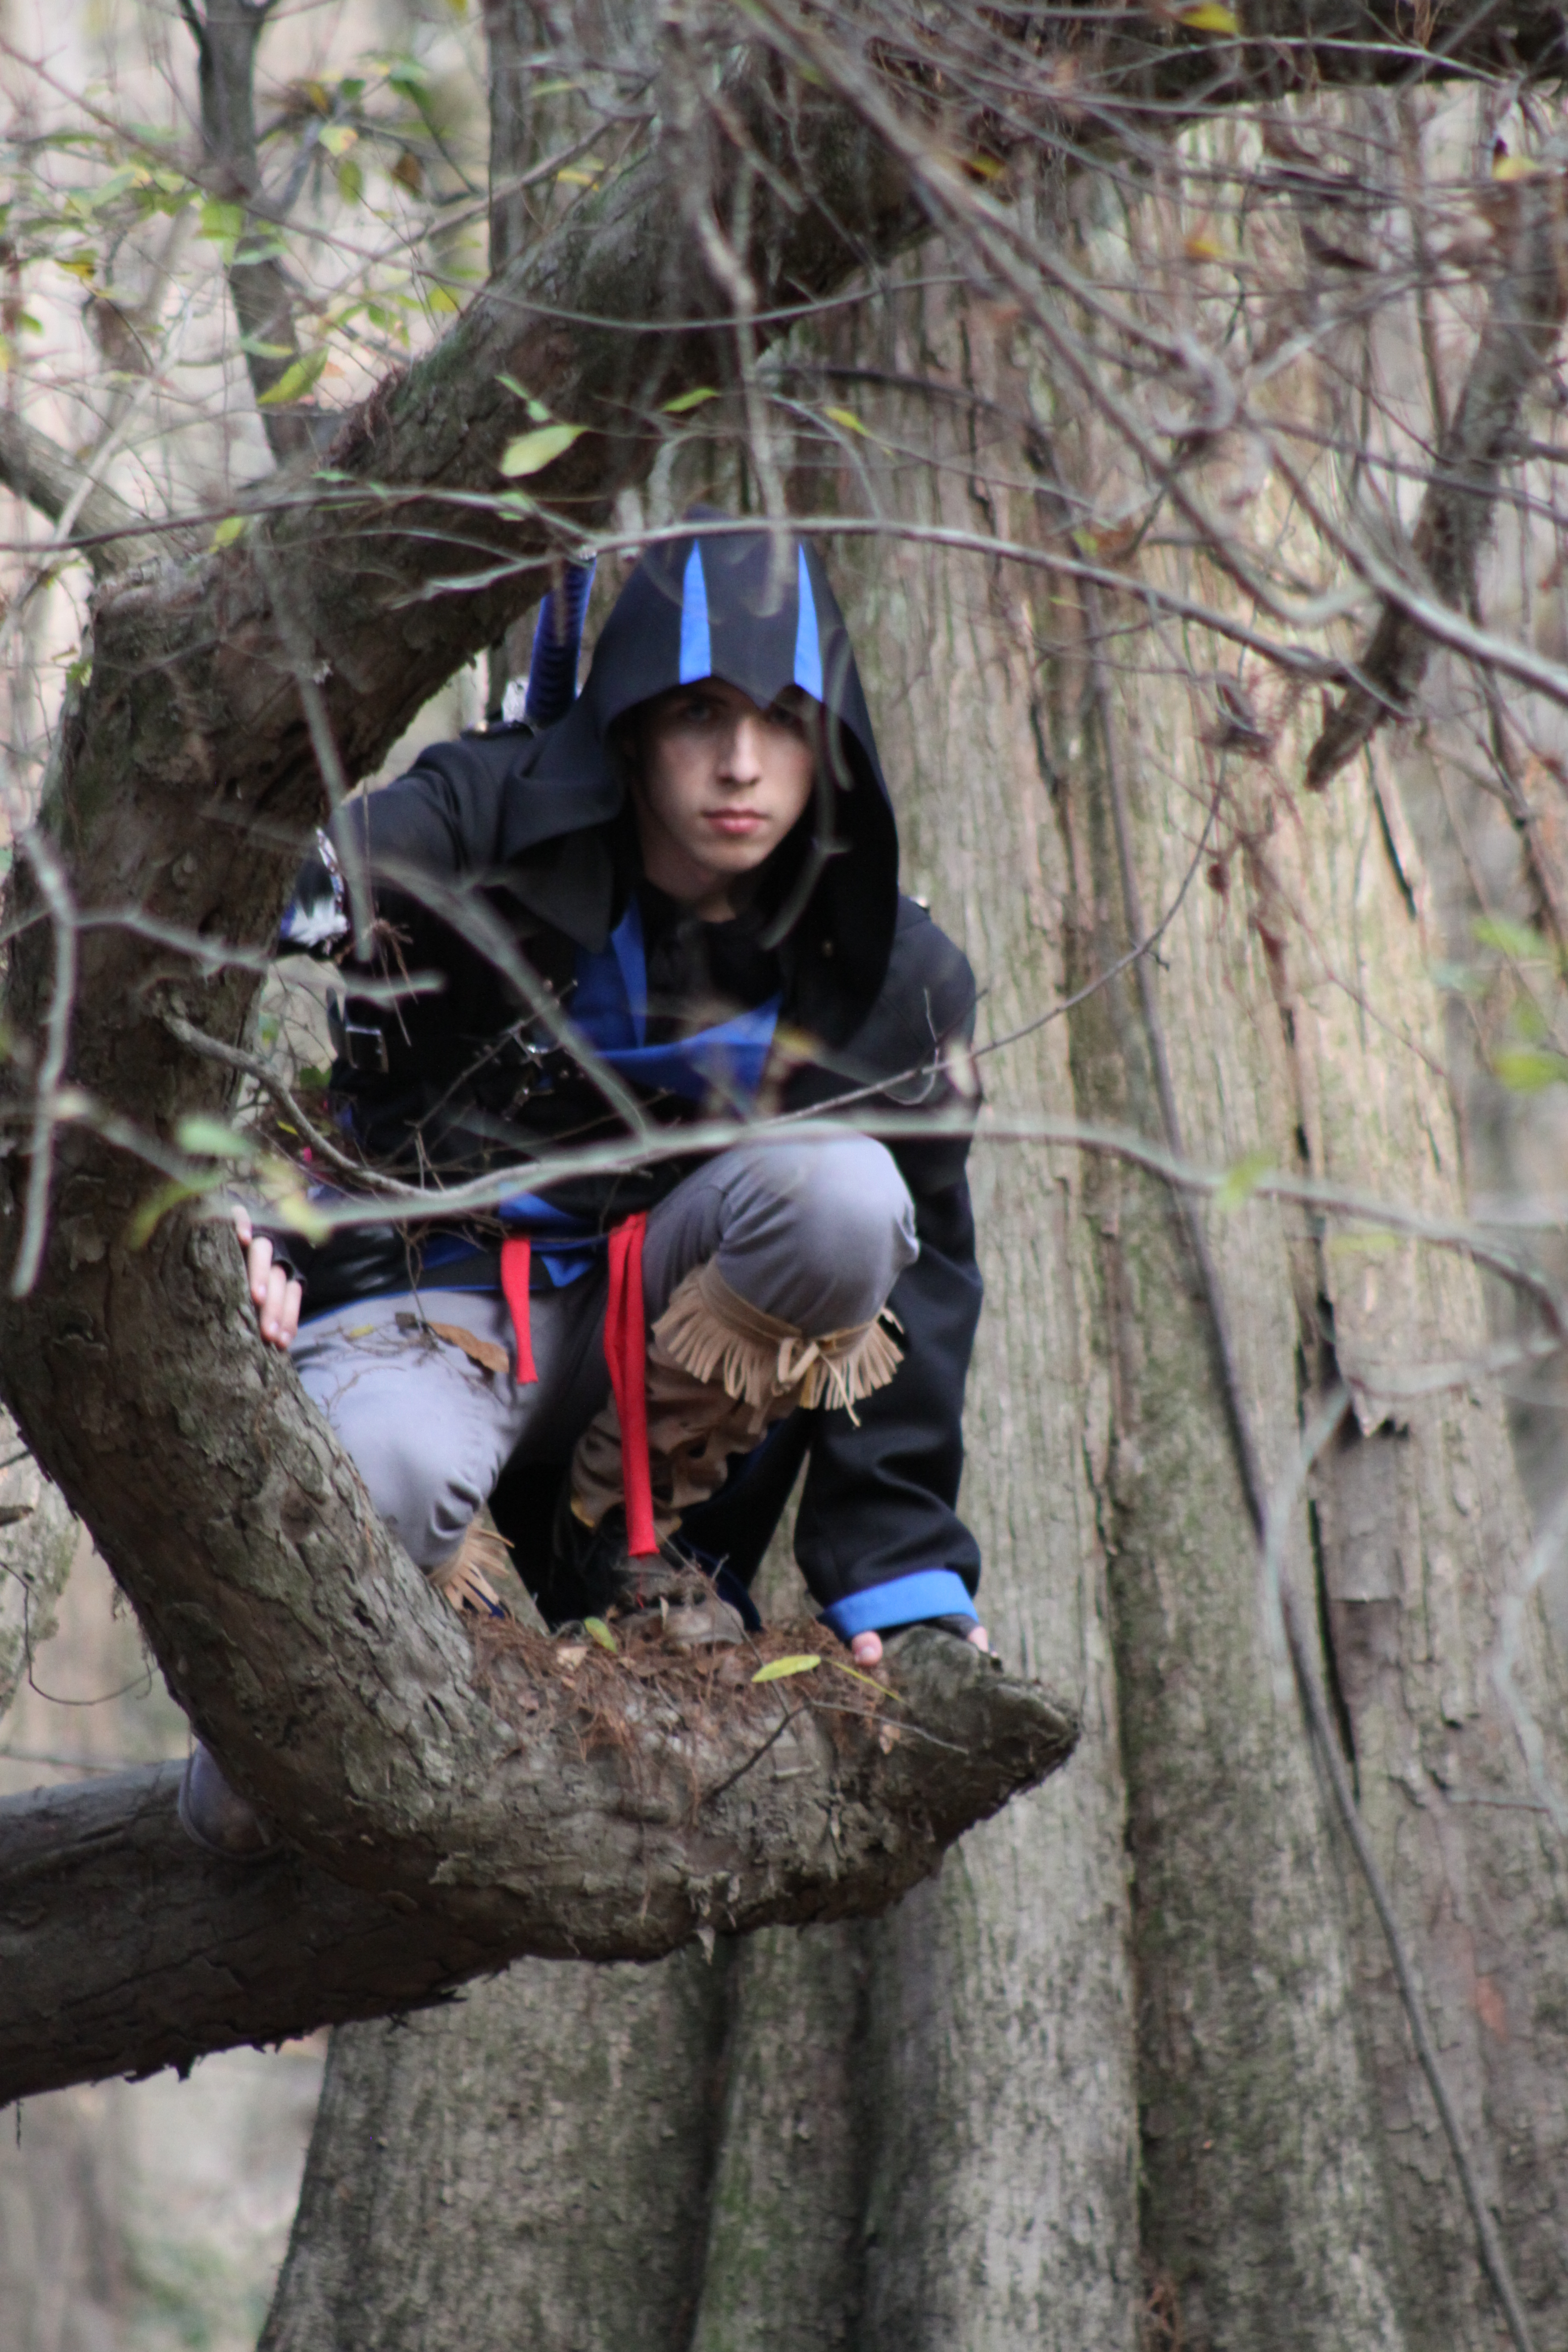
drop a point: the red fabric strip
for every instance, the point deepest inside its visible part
(516, 1265)
(626, 1352)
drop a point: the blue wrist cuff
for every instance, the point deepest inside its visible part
(902, 1600)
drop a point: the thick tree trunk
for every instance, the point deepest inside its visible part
(529, 2166)
(979, 2072)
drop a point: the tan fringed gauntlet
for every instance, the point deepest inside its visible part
(712, 1332)
(719, 1370)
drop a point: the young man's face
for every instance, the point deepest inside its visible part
(719, 784)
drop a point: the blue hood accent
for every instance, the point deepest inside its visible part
(707, 606)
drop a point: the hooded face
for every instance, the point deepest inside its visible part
(717, 785)
(706, 610)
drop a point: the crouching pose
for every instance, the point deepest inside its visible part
(679, 900)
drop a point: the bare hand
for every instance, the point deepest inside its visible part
(277, 1294)
(866, 1649)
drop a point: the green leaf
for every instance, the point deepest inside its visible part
(777, 1668)
(1240, 1183)
(849, 421)
(146, 1220)
(856, 1676)
(295, 381)
(1516, 940)
(1208, 16)
(537, 412)
(224, 222)
(533, 451)
(225, 532)
(337, 138)
(684, 400)
(209, 1138)
(441, 298)
(350, 180)
(293, 1210)
(597, 1631)
(1525, 1069)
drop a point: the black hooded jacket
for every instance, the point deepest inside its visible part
(506, 862)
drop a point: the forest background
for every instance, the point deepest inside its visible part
(1175, 394)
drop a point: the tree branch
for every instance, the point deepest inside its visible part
(654, 1834)
(226, 37)
(49, 478)
(1524, 318)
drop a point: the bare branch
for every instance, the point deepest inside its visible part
(227, 37)
(1525, 318)
(40, 471)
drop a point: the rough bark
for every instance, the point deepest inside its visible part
(1422, 1535)
(37, 1539)
(530, 2167)
(1524, 321)
(1330, 1053)
(49, 478)
(643, 1826)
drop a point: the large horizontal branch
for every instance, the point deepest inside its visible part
(125, 1947)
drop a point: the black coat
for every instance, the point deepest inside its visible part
(525, 839)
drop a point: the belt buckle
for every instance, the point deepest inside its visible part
(364, 1048)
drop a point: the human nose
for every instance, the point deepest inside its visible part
(743, 760)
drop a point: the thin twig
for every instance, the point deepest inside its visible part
(54, 891)
(251, 1066)
(792, 1715)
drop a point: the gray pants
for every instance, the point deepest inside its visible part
(816, 1234)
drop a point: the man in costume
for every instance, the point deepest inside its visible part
(678, 902)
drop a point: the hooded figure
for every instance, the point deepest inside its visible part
(535, 988)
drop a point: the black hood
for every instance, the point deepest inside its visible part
(700, 608)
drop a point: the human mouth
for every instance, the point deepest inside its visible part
(735, 825)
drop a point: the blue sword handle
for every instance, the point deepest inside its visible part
(557, 641)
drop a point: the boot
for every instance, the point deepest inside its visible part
(720, 1371)
(217, 1817)
(592, 1575)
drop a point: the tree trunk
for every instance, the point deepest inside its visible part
(530, 2165)
(981, 2073)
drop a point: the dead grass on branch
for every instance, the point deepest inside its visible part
(649, 1683)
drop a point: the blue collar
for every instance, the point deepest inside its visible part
(610, 1008)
